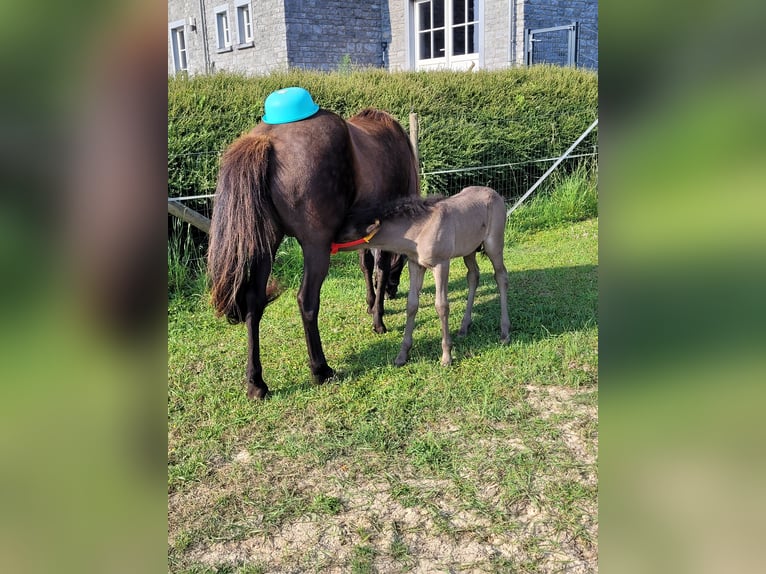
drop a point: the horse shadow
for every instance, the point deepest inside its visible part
(542, 303)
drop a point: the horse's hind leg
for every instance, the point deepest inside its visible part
(441, 280)
(382, 271)
(417, 273)
(256, 300)
(398, 262)
(367, 265)
(473, 281)
(316, 264)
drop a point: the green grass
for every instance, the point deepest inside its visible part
(489, 464)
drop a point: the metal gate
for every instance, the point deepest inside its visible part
(557, 45)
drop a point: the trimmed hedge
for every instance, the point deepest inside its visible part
(466, 119)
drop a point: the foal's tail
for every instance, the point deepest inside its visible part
(243, 224)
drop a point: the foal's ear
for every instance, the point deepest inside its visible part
(374, 226)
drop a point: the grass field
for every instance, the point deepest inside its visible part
(488, 465)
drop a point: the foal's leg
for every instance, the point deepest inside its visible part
(417, 273)
(441, 280)
(495, 254)
(473, 281)
(255, 301)
(316, 264)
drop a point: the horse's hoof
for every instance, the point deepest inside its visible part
(446, 362)
(257, 393)
(379, 329)
(324, 374)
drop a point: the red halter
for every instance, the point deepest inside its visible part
(335, 247)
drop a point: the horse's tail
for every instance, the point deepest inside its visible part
(243, 224)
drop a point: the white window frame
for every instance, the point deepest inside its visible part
(448, 29)
(244, 11)
(222, 28)
(177, 36)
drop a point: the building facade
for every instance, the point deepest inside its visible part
(261, 36)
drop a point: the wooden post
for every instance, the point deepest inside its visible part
(188, 215)
(414, 136)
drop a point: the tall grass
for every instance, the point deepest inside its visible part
(186, 262)
(566, 198)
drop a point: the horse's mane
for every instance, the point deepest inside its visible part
(412, 208)
(378, 116)
(386, 128)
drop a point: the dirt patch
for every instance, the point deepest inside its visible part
(436, 532)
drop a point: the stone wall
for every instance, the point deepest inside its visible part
(327, 34)
(322, 34)
(549, 13)
(496, 42)
(187, 10)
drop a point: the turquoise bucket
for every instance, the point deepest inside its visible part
(289, 105)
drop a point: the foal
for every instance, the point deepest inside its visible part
(431, 231)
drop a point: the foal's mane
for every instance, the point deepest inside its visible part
(413, 208)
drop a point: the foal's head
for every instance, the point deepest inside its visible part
(365, 219)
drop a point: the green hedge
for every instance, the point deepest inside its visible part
(466, 119)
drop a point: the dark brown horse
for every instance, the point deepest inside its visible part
(298, 179)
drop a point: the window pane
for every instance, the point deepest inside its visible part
(424, 16)
(248, 24)
(424, 53)
(472, 9)
(176, 56)
(181, 39)
(458, 11)
(438, 7)
(473, 39)
(438, 43)
(458, 40)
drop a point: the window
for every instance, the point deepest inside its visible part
(446, 33)
(464, 27)
(244, 22)
(222, 27)
(178, 42)
(430, 16)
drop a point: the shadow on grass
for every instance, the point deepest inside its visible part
(542, 303)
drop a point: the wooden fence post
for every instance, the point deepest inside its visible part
(414, 136)
(188, 215)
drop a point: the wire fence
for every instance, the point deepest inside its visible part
(192, 181)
